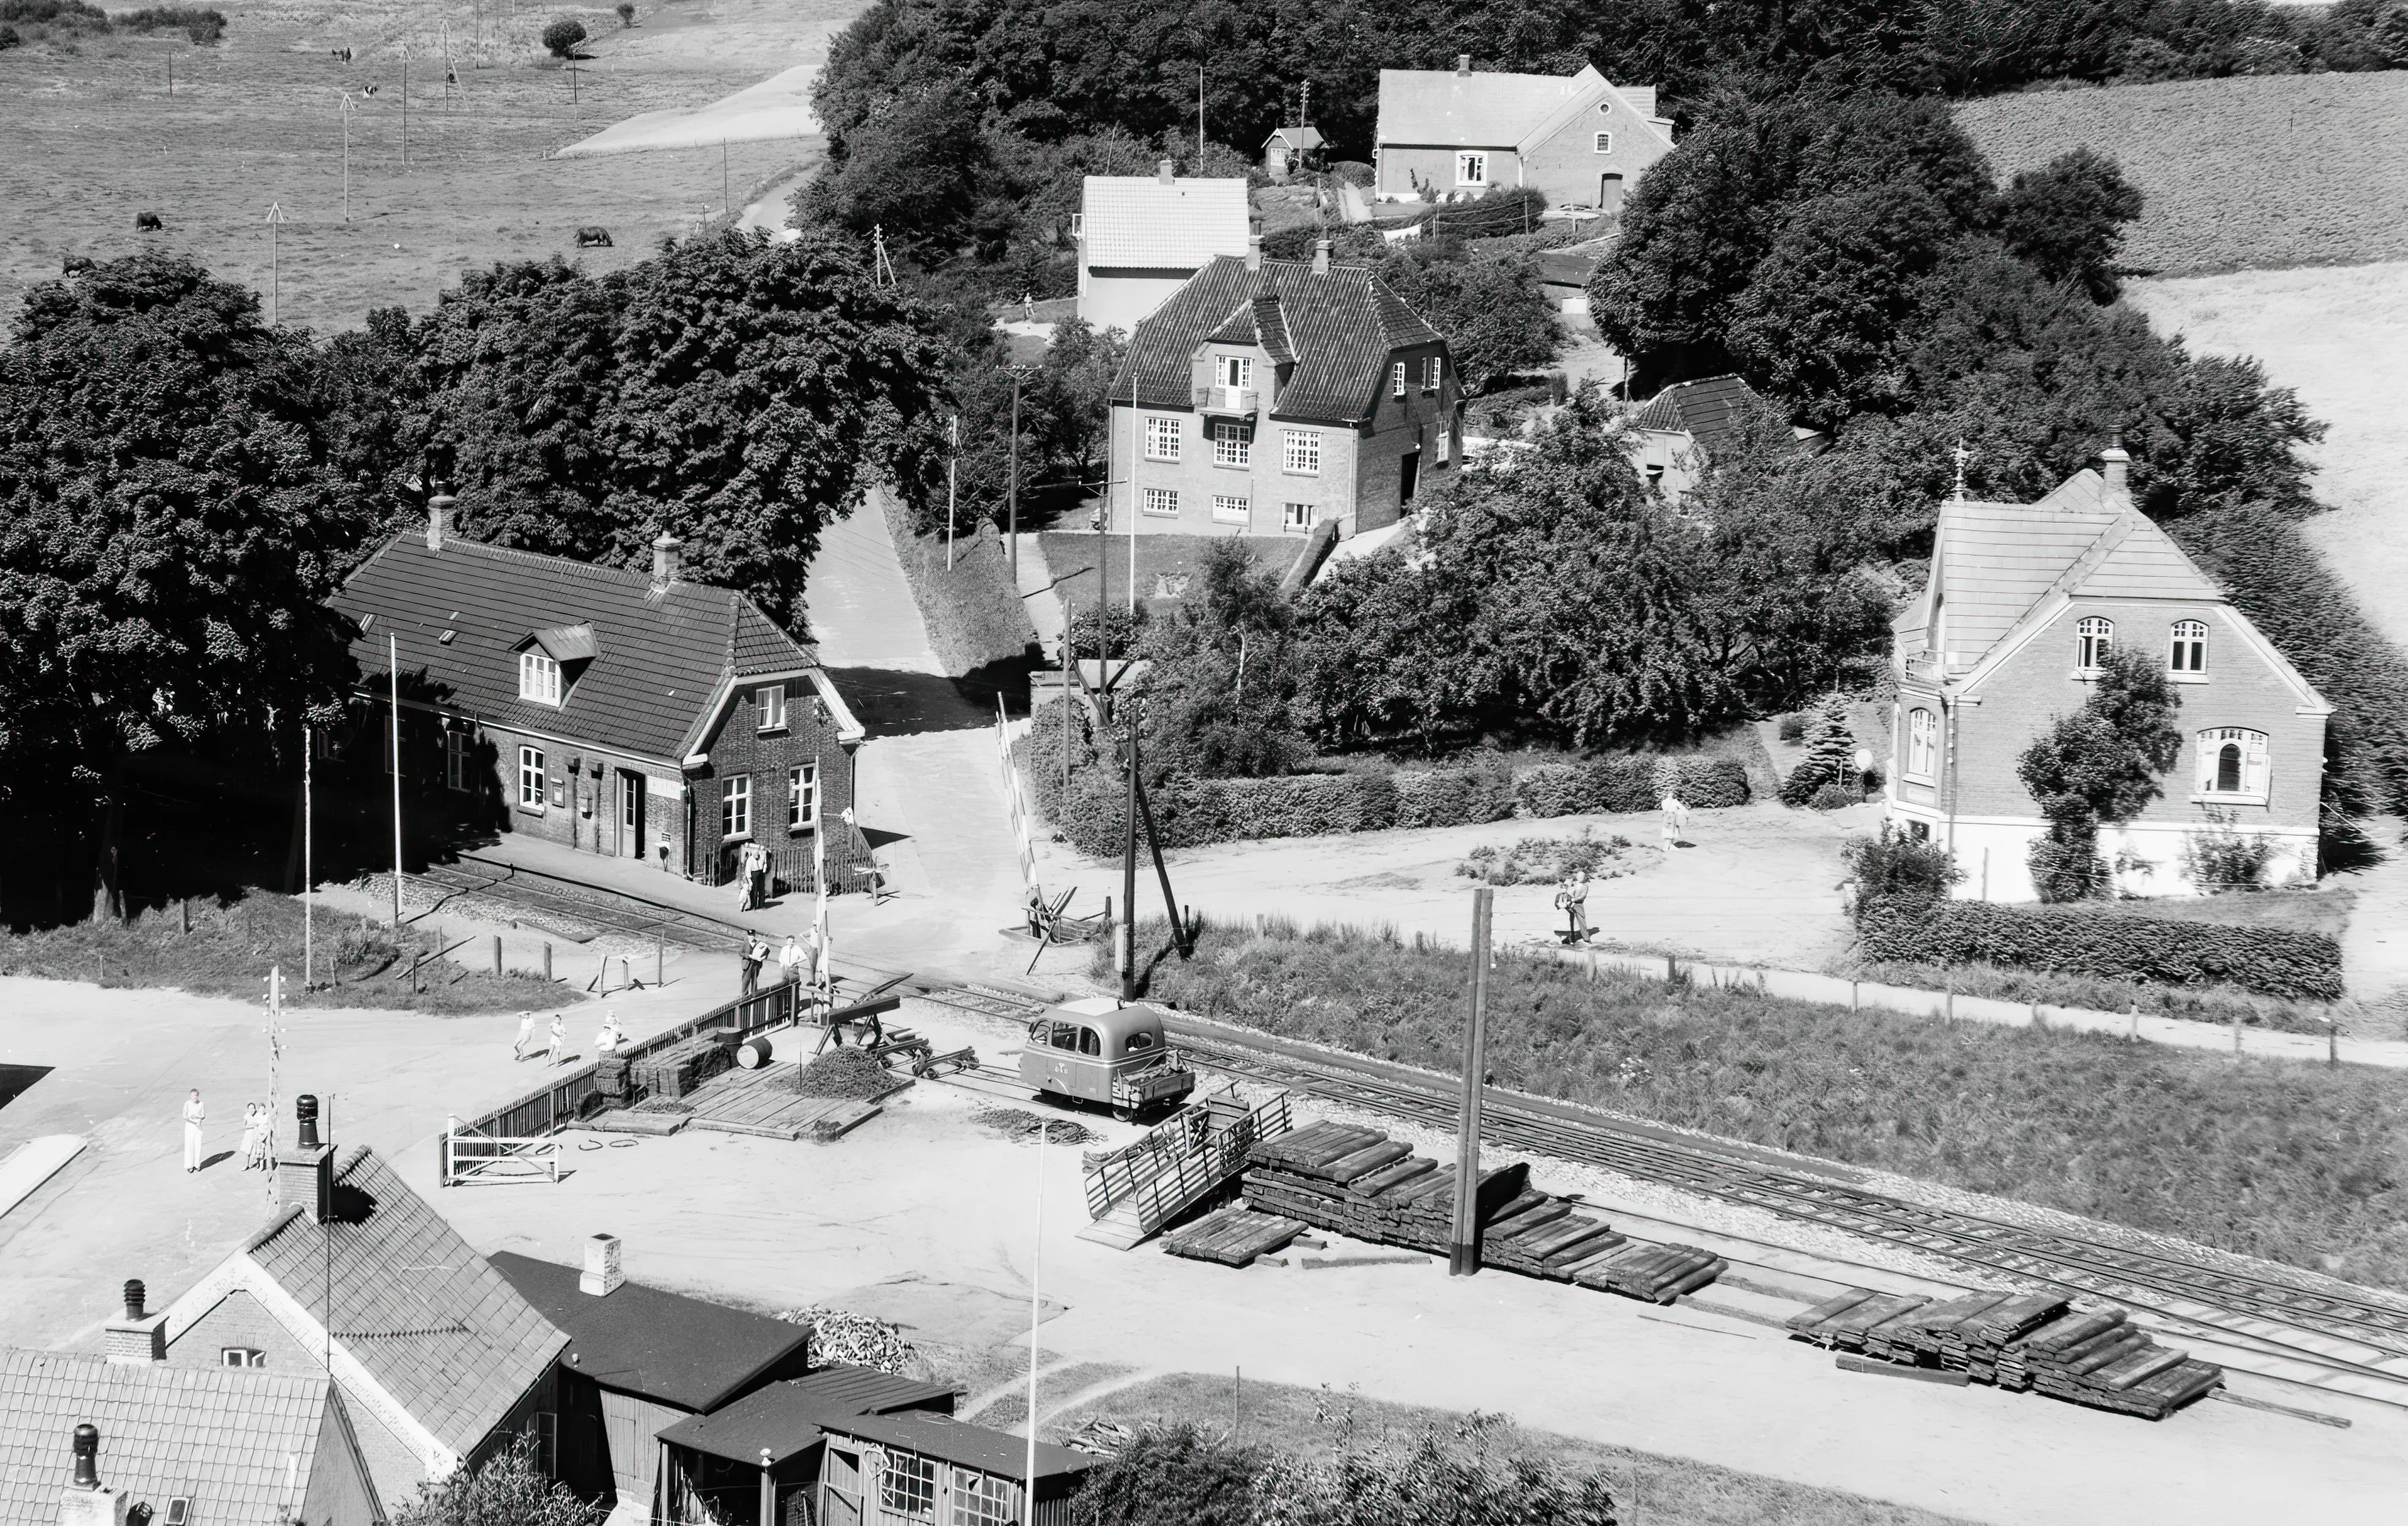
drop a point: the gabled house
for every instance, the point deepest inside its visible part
(1141, 237)
(2023, 605)
(645, 717)
(1678, 430)
(1579, 139)
(94, 1441)
(1271, 396)
(438, 1361)
(1291, 149)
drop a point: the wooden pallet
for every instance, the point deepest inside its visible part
(765, 1103)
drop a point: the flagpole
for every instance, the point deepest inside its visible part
(308, 870)
(1036, 1315)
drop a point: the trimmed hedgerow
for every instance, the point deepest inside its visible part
(2274, 960)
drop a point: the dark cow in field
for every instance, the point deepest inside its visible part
(148, 222)
(590, 236)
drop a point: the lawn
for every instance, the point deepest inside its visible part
(1161, 563)
(1647, 1487)
(234, 941)
(92, 138)
(2249, 173)
(2291, 1162)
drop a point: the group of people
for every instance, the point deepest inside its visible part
(1571, 897)
(793, 963)
(556, 1041)
(258, 1147)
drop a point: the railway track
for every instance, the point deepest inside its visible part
(2346, 1344)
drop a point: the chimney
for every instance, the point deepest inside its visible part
(1164, 173)
(83, 1501)
(135, 1338)
(2116, 465)
(1253, 252)
(304, 1174)
(438, 519)
(601, 1277)
(665, 560)
(1463, 64)
(1321, 256)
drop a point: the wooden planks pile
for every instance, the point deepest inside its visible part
(678, 1070)
(1233, 1236)
(2018, 1341)
(1357, 1181)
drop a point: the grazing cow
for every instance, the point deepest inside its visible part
(343, 54)
(590, 236)
(367, 89)
(148, 222)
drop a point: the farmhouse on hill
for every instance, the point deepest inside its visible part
(1273, 396)
(1577, 138)
(1141, 237)
(641, 716)
(2024, 603)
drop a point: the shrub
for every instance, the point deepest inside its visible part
(1171, 1475)
(509, 1488)
(1833, 797)
(1793, 728)
(203, 27)
(8, 39)
(626, 12)
(1539, 861)
(560, 37)
(1830, 757)
(2102, 762)
(2222, 858)
(2276, 961)
(1894, 866)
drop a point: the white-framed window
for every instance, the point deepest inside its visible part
(907, 1486)
(1161, 438)
(458, 745)
(1472, 169)
(1234, 371)
(1300, 451)
(1445, 443)
(1433, 370)
(2188, 653)
(982, 1500)
(2094, 638)
(2232, 763)
(531, 777)
(803, 797)
(1922, 744)
(1605, 142)
(770, 707)
(735, 805)
(539, 679)
(1232, 509)
(1162, 501)
(243, 1356)
(1231, 445)
(1295, 517)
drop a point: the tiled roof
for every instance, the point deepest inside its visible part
(1138, 221)
(1481, 109)
(1340, 324)
(659, 659)
(688, 1352)
(239, 1443)
(785, 1419)
(957, 1441)
(1302, 139)
(1708, 411)
(444, 1334)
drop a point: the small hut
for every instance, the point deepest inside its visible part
(1289, 150)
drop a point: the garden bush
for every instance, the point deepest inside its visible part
(2276, 961)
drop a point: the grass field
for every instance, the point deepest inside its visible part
(89, 137)
(2241, 174)
(2287, 1162)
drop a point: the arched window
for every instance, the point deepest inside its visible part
(2095, 637)
(2189, 654)
(1922, 739)
(2232, 762)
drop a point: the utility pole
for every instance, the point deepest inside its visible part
(405, 106)
(274, 217)
(393, 669)
(953, 464)
(1128, 874)
(1463, 1257)
(348, 107)
(1199, 116)
(274, 1066)
(171, 78)
(726, 197)
(309, 864)
(1012, 510)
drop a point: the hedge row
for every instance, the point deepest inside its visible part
(1190, 812)
(2271, 960)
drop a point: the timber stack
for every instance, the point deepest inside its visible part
(2018, 1341)
(1233, 1236)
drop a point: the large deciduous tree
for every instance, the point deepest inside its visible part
(169, 528)
(2103, 763)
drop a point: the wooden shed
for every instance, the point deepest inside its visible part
(916, 1468)
(757, 1461)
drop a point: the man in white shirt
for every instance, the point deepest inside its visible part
(195, 1114)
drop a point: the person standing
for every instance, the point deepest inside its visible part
(755, 952)
(1671, 806)
(526, 1036)
(790, 961)
(551, 1053)
(255, 1136)
(1576, 906)
(607, 1042)
(194, 1115)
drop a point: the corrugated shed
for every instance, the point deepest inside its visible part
(658, 655)
(240, 1443)
(1340, 324)
(443, 1333)
(1138, 222)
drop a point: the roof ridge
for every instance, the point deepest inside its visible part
(275, 1226)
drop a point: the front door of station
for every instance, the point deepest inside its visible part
(631, 815)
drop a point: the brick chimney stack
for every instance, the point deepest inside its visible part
(665, 561)
(601, 1277)
(1462, 63)
(438, 519)
(1253, 252)
(1321, 256)
(136, 1338)
(304, 1174)
(1165, 172)
(2116, 465)
(83, 1501)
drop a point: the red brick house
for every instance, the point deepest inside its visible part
(1269, 396)
(642, 715)
(2023, 604)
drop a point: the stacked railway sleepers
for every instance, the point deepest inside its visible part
(1357, 1181)
(2018, 1341)
(1233, 1236)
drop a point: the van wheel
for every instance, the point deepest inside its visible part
(1125, 1115)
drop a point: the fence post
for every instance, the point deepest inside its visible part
(414, 958)
(547, 962)
(1852, 996)
(602, 976)
(2332, 1039)
(2236, 1033)
(497, 953)
(2132, 1025)
(450, 1127)
(660, 957)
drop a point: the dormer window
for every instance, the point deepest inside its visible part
(539, 679)
(1235, 371)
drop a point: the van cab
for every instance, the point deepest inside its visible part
(1096, 1050)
